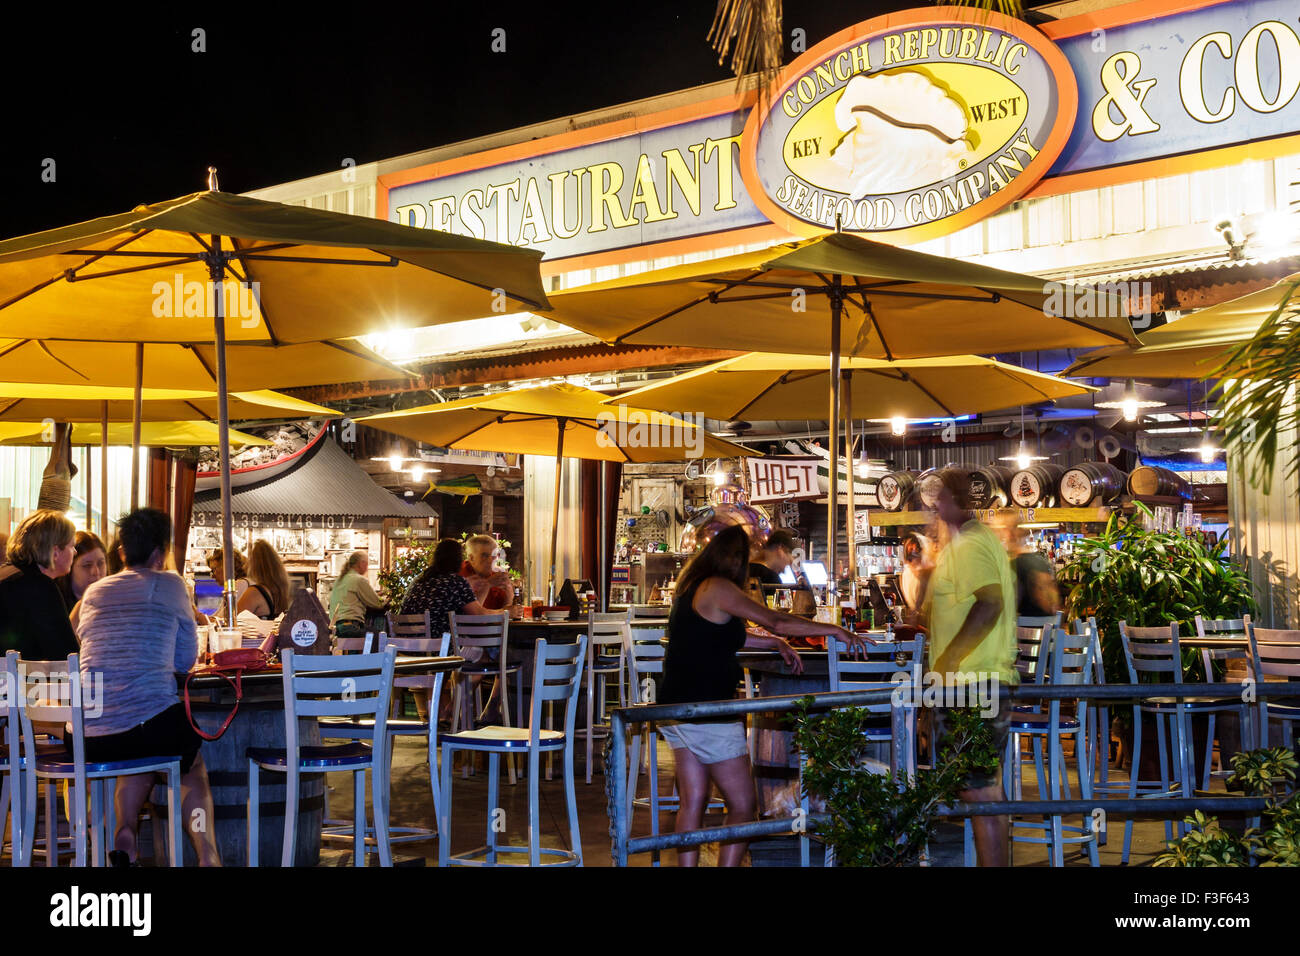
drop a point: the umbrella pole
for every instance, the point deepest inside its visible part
(216, 269)
(833, 476)
(103, 472)
(555, 515)
(852, 515)
(88, 477)
(601, 557)
(136, 411)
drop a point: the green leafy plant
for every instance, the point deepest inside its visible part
(410, 564)
(1268, 773)
(1149, 578)
(875, 819)
(1256, 383)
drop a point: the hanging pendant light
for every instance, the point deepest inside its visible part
(1130, 403)
(1022, 457)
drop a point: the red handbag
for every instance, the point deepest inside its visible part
(230, 666)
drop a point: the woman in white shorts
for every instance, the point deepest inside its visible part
(706, 627)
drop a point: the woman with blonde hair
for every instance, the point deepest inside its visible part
(268, 591)
(33, 614)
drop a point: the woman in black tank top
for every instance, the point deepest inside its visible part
(706, 627)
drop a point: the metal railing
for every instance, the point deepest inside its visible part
(623, 718)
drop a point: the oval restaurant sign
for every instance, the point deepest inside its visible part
(910, 126)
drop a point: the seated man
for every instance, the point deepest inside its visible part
(137, 631)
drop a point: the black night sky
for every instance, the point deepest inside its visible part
(131, 114)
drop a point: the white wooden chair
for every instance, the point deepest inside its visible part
(329, 686)
(557, 676)
(1275, 654)
(86, 778)
(607, 636)
(12, 763)
(647, 615)
(482, 635)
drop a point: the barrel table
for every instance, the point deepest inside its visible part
(260, 723)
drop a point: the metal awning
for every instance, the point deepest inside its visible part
(328, 482)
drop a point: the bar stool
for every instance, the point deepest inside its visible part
(604, 631)
(1277, 657)
(1223, 627)
(355, 728)
(329, 686)
(86, 777)
(479, 635)
(1069, 662)
(557, 675)
(12, 764)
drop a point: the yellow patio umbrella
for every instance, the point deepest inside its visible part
(884, 302)
(212, 267)
(564, 420)
(187, 366)
(768, 386)
(25, 401)
(179, 434)
(1191, 347)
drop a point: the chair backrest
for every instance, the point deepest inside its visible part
(52, 693)
(1090, 630)
(1222, 627)
(1152, 650)
(605, 629)
(420, 647)
(10, 711)
(354, 645)
(1049, 620)
(645, 656)
(411, 626)
(479, 630)
(352, 685)
(1031, 653)
(557, 675)
(876, 668)
(1274, 653)
(1070, 655)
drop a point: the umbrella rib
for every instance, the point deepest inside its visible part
(392, 261)
(234, 248)
(63, 275)
(380, 361)
(763, 391)
(201, 413)
(708, 296)
(19, 343)
(72, 277)
(46, 349)
(202, 361)
(880, 333)
(1023, 382)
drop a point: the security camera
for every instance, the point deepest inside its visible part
(1236, 247)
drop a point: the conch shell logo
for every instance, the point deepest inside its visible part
(902, 132)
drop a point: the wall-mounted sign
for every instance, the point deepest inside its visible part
(906, 127)
(782, 479)
(909, 126)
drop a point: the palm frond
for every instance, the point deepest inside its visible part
(1257, 385)
(751, 30)
(1010, 8)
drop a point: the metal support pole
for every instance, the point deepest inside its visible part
(555, 517)
(602, 576)
(137, 409)
(103, 473)
(852, 512)
(216, 271)
(832, 478)
(616, 784)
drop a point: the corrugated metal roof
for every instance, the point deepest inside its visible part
(1216, 263)
(327, 483)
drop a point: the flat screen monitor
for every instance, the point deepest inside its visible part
(787, 577)
(815, 571)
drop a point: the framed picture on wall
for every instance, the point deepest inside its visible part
(288, 542)
(313, 546)
(339, 539)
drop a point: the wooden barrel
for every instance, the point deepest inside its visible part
(895, 490)
(990, 487)
(927, 487)
(1152, 480)
(1036, 486)
(258, 724)
(1097, 482)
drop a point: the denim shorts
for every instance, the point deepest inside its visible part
(709, 742)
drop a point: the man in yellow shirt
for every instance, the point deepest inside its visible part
(972, 605)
